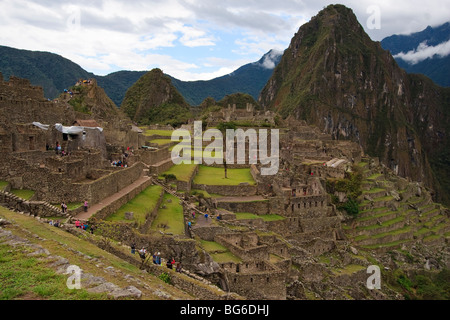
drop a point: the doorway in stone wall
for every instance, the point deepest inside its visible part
(31, 143)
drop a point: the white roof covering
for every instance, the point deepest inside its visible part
(74, 130)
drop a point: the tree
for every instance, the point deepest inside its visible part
(223, 127)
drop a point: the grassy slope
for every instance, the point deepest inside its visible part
(62, 243)
(172, 216)
(141, 205)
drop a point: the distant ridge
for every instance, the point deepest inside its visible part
(405, 48)
(55, 73)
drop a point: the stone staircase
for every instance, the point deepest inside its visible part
(36, 208)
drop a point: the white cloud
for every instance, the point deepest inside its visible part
(269, 59)
(140, 34)
(424, 52)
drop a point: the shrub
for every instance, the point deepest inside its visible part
(165, 277)
(352, 207)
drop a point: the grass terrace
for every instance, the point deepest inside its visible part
(215, 176)
(161, 142)
(183, 172)
(24, 194)
(3, 185)
(141, 205)
(163, 133)
(171, 218)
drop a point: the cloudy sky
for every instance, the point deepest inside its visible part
(188, 39)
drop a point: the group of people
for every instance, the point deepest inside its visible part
(119, 164)
(58, 150)
(84, 226)
(157, 260)
(56, 223)
(64, 207)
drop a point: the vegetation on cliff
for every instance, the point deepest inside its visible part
(154, 100)
(335, 77)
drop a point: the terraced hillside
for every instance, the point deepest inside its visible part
(389, 219)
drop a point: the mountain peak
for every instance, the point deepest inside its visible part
(271, 59)
(335, 77)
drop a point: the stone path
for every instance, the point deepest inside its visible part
(107, 201)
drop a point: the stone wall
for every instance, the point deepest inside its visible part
(208, 233)
(286, 226)
(198, 289)
(263, 281)
(302, 204)
(151, 157)
(233, 243)
(112, 183)
(187, 185)
(36, 208)
(229, 191)
(256, 207)
(320, 224)
(161, 167)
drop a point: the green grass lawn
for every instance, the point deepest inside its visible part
(74, 205)
(163, 133)
(374, 176)
(141, 205)
(225, 257)
(212, 246)
(24, 194)
(183, 172)
(349, 269)
(198, 153)
(215, 176)
(3, 185)
(375, 190)
(23, 277)
(205, 194)
(172, 217)
(161, 142)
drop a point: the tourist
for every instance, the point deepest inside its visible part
(178, 269)
(78, 224)
(51, 223)
(142, 253)
(92, 230)
(193, 214)
(155, 258)
(189, 225)
(56, 224)
(169, 264)
(85, 206)
(85, 226)
(63, 207)
(206, 216)
(133, 248)
(158, 258)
